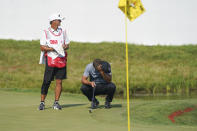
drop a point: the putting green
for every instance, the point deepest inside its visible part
(18, 111)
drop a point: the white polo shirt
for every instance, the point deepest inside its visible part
(55, 39)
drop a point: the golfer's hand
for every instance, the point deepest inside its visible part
(93, 84)
(99, 68)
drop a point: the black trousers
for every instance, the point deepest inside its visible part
(49, 74)
(101, 89)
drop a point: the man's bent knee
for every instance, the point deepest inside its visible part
(112, 86)
(83, 88)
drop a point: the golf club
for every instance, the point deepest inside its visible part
(90, 110)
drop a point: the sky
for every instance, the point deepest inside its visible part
(165, 22)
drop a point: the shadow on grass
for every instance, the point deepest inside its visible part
(71, 105)
(67, 105)
(112, 105)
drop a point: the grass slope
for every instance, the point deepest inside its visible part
(152, 69)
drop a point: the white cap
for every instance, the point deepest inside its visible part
(55, 17)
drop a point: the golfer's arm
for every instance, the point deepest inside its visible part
(46, 48)
(106, 77)
(85, 81)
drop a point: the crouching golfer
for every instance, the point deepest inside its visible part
(100, 76)
(53, 44)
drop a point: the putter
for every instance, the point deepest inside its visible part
(90, 110)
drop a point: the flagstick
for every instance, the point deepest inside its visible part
(127, 71)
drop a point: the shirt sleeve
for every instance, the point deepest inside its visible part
(43, 38)
(86, 72)
(66, 40)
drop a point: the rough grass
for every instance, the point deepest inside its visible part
(152, 69)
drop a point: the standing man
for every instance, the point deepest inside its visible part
(100, 76)
(53, 44)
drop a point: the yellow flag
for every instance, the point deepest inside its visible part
(134, 8)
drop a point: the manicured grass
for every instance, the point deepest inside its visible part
(152, 69)
(18, 111)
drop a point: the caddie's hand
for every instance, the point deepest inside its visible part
(49, 48)
(93, 84)
(65, 46)
(52, 49)
(46, 48)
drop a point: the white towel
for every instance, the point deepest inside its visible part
(59, 49)
(42, 58)
(59, 52)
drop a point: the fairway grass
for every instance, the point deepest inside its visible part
(18, 112)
